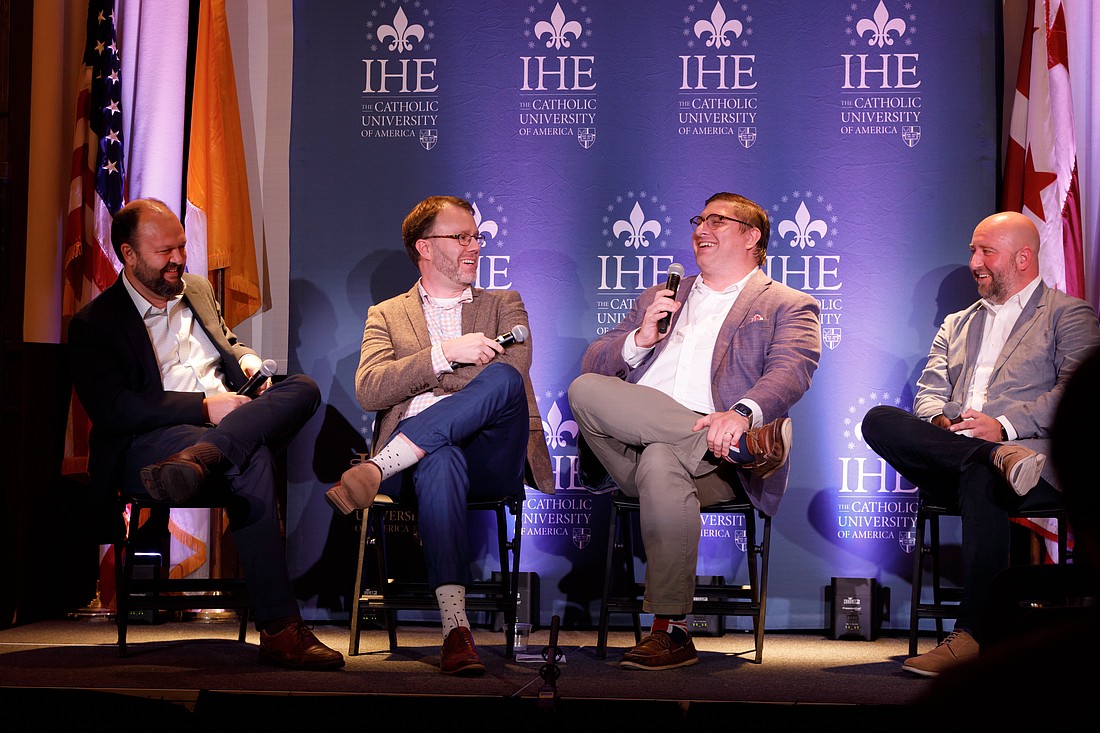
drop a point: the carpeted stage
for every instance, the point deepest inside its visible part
(68, 675)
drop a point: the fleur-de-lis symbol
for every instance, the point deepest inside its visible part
(487, 227)
(558, 28)
(637, 228)
(401, 31)
(881, 27)
(802, 227)
(718, 27)
(556, 429)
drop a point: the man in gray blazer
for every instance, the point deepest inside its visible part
(457, 417)
(697, 413)
(157, 370)
(998, 370)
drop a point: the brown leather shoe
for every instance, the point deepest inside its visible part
(297, 648)
(658, 651)
(357, 488)
(180, 476)
(459, 655)
(770, 446)
(958, 648)
(1021, 467)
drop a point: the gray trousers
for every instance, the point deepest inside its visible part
(644, 439)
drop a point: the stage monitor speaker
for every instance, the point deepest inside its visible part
(857, 607)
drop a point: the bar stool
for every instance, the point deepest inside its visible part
(623, 594)
(926, 556)
(498, 594)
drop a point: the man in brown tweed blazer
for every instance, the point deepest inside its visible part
(457, 418)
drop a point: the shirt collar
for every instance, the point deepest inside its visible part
(466, 297)
(1019, 299)
(735, 288)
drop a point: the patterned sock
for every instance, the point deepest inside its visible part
(740, 453)
(674, 626)
(452, 607)
(395, 457)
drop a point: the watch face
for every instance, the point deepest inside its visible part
(742, 410)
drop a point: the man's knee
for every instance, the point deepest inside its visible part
(506, 377)
(581, 388)
(306, 387)
(874, 424)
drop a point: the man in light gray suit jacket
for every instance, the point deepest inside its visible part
(457, 417)
(1003, 363)
(696, 413)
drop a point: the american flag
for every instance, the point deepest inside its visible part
(1040, 174)
(97, 187)
(96, 190)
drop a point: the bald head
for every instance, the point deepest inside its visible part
(1004, 255)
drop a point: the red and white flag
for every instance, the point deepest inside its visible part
(96, 191)
(88, 262)
(1040, 175)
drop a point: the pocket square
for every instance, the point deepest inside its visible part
(756, 318)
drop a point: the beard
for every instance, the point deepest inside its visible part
(154, 279)
(450, 268)
(993, 289)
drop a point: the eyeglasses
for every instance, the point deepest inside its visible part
(717, 221)
(464, 239)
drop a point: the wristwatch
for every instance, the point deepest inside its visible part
(744, 411)
(1004, 432)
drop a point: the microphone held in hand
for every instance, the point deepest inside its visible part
(675, 272)
(269, 369)
(953, 412)
(517, 335)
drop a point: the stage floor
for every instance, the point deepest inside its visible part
(179, 661)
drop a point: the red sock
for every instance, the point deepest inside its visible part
(676, 627)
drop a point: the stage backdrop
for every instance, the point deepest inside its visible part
(587, 133)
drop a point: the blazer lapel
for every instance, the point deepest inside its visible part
(418, 324)
(1028, 318)
(133, 329)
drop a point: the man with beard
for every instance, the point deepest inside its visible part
(157, 369)
(457, 417)
(1005, 361)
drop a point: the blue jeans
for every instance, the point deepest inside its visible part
(475, 442)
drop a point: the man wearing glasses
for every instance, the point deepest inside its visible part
(457, 418)
(698, 414)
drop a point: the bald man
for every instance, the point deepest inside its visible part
(1005, 360)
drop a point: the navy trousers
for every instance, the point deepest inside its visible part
(950, 470)
(475, 442)
(251, 437)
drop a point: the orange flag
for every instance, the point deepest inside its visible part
(219, 213)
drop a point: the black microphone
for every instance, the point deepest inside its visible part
(517, 335)
(675, 272)
(268, 369)
(953, 412)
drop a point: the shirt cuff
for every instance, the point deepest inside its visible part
(632, 353)
(250, 360)
(757, 418)
(1009, 431)
(439, 362)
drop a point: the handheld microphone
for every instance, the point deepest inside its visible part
(675, 272)
(517, 335)
(268, 369)
(953, 412)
